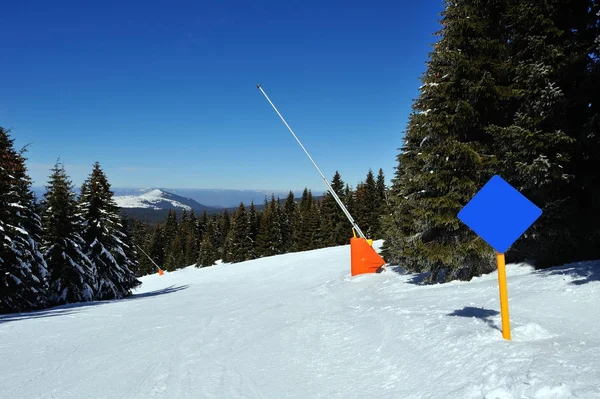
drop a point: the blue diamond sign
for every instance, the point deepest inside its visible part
(499, 214)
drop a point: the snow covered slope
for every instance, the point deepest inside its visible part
(298, 326)
(157, 199)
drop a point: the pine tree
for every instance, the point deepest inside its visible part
(23, 270)
(71, 275)
(447, 156)
(129, 255)
(307, 224)
(142, 236)
(587, 167)
(368, 206)
(381, 200)
(239, 244)
(287, 222)
(208, 254)
(336, 227)
(104, 238)
(269, 240)
(536, 148)
(254, 218)
(156, 249)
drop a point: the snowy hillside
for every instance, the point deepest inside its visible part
(157, 199)
(299, 326)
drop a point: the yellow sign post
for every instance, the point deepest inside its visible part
(503, 296)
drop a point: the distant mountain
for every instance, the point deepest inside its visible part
(227, 198)
(157, 199)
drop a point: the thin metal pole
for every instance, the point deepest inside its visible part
(158, 267)
(331, 190)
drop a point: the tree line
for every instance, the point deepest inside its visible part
(64, 248)
(282, 226)
(511, 88)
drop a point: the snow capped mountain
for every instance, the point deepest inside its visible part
(158, 200)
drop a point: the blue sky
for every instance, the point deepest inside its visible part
(164, 94)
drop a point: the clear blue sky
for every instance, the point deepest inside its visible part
(164, 94)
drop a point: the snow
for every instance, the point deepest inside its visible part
(299, 326)
(153, 199)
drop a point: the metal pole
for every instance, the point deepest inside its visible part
(158, 267)
(331, 190)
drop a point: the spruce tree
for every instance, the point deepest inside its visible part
(254, 219)
(368, 206)
(239, 245)
(208, 254)
(287, 222)
(588, 138)
(269, 239)
(336, 227)
(307, 224)
(71, 275)
(104, 238)
(381, 201)
(535, 150)
(447, 156)
(156, 249)
(23, 270)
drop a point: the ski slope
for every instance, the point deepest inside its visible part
(299, 326)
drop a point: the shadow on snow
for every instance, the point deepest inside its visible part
(416, 278)
(71, 308)
(581, 272)
(479, 313)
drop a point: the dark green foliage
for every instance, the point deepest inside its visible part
(382, 209)
(307, 224)
(446, 156)
(287, 222)
(142, 235)
(105, 240)
(208, 254)
(368, 206)
(254, 219)
(22, 267)
(238, 244)
(71, 275)
(337, 229)
(270, 238)
(156, 248)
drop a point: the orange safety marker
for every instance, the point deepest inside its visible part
(363, 257)
(160, 272)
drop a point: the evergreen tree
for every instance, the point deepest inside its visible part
(368, 206)
(104, 238)
(71, 275)
(269, 239)
(171, 227)
(23, 270)
(447, 157)
(239, 244)
(156, 249)
(142, 236)
(535, 149)
(336, 227)
(126, 253)
(208, 254)
(307, 224)
(587, 167)
(382, 200)
(254, 218)
(287, 222)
